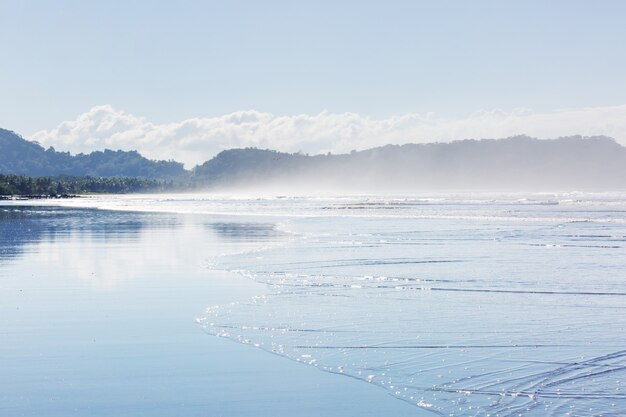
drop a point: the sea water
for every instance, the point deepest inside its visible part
(462, 305)
(97, 318)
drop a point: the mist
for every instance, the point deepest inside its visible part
(519, 163)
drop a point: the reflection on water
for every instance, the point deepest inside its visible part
(471, 309)
(104, 247)
(16, 230)
(26, 224)
(247, 231)
(97, 316)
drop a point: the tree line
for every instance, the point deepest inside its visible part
(20, 185)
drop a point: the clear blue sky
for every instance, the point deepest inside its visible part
(177, 59)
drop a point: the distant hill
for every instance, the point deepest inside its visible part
(22, 157)
(514, 164)
(519, 163)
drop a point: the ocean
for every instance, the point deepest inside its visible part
(453, 304)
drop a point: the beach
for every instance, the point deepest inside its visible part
(322, 306)
(98, 318)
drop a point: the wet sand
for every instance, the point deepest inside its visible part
(98, 318)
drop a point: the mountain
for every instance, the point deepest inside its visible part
(519, 163)
(514, 164)
(22, 157)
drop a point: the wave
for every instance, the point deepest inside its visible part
(492, 208)
(459, 318)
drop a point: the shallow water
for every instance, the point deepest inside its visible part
(491, 308)
(478, 305)
(97, 318)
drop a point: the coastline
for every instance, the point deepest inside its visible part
(37, 197)
(91, 336)
(409, 255)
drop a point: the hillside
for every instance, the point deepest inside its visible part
(514, 164)
(21, 157)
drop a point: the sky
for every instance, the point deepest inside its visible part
(187, 79)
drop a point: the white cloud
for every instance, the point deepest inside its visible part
(193, 141)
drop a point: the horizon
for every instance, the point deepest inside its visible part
(451, 142)
(193, 141)
(188, 81)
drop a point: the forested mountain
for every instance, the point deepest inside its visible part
(22, 157)
(514, 164)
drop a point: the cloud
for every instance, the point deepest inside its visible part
(195, 140)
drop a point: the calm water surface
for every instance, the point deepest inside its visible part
(476, 305)
(97, 318)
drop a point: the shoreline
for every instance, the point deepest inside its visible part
(38, 197)
(167, 246)
(94, 337)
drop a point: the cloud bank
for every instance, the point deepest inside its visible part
(196, 140)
